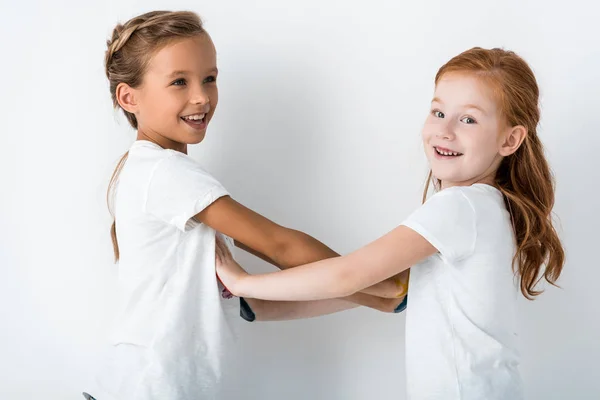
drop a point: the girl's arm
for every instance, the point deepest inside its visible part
(393, 288)
(266, 310)
(332, 278)
(283, 247)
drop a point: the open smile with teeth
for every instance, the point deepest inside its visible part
(445, 152)
(195, 118)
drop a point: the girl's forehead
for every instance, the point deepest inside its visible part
(465, 89)
(187, 54)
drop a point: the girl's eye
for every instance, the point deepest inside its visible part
(437, 114)
(179, 82)
(468, 120)
(210, 79)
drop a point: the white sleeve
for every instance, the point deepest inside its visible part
(179, 189)
(448, 221)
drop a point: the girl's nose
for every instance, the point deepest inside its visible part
(200, 97)
(446, 131)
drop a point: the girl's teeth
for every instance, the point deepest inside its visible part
(446, 153)
(194, 117)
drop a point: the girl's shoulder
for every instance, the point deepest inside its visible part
(149, 150)
(150, 156)
(473, 194)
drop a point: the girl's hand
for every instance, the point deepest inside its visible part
(228, 270)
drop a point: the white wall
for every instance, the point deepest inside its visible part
(318, 128)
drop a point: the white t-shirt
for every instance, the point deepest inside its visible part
(173, 332)
(461, 340)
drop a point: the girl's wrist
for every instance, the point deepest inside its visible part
(240, 285)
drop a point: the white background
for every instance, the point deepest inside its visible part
(318, 128)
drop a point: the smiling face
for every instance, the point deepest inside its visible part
(178, 95)
(465, 133)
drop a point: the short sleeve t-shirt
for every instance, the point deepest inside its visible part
(461, 339)
(173, 330)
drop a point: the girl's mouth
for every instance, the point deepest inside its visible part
(196, 121)
(446, 153)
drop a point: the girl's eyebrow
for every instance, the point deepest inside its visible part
(183, 72)
(178, 73)
(474, 106)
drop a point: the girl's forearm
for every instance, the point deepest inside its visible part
(266, 310)
(325, 283)
(299, 248)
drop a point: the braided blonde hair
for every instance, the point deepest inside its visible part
(128, 53)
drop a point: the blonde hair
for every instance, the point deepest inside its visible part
(524, 178)
(128, 53)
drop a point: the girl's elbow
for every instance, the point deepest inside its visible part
(283, 246)
(392, 288)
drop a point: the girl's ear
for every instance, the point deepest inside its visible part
(513, 139)
(127, 98)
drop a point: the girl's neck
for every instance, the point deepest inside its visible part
(162, 141)
(487, 180)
